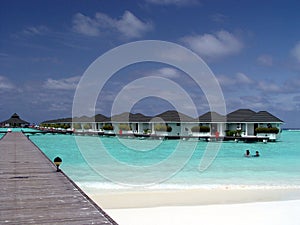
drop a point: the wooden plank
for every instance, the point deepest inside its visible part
(32, 192)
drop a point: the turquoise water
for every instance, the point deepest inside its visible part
(278, 165)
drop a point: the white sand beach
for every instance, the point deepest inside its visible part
(235, 206)
(265, 213)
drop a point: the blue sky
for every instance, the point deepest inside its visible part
(252, 47)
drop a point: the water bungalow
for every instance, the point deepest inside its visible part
(242, 124)
(14, 121)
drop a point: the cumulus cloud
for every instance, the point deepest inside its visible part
(212, 46)
(295, 52)
(237, 80)
(62, 84)
(166, 72)
(84, 25)
(242, 78)
(265, 60)
(256, 102)
(5, 84)
(173, 2)
(35, 30)
(268, 86)
(129, 26)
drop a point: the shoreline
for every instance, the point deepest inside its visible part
(260, 213)
(191, 197)
(266, 206)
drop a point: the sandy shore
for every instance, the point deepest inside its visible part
(192, 197)
(266, 206)
(269, 213)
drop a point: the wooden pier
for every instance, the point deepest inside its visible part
(32, 192)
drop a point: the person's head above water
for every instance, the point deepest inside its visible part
(247, 153)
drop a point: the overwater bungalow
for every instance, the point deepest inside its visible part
(242, 124)
(14, 121)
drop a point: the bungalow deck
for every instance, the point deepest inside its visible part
(247, 139)
(32, 192)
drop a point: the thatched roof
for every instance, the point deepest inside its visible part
(15, 120)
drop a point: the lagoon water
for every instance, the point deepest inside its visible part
(278, 165)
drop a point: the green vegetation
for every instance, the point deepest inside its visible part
(55, 125)
(108, 127)
(87, 126)
(267, 130)
(162, 127)
(233, 133)
(124, 126)
(76, 126)
(147, 131)
(202, 129)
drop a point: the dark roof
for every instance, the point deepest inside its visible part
(174, 116)
(263, 117)
(15, 115)
(129, 117)
(239, 115)
(211, 117)
(15, 119)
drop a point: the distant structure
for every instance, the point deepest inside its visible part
(14, 121)
(242, 124)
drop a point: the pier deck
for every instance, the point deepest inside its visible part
(32, 192)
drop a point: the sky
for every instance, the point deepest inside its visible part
(251, 47)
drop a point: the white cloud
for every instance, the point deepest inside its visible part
(129, 26)
(242, 78)
(5, 84)
(84, 25)
(35, 30)
(173, 2)
(295, 52)
(166, 72)
(237, 80)
(265, 60)
(212, 46)
(269, 87)
(62, 84)
(169, 72)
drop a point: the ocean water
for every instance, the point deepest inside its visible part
(109, 163)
